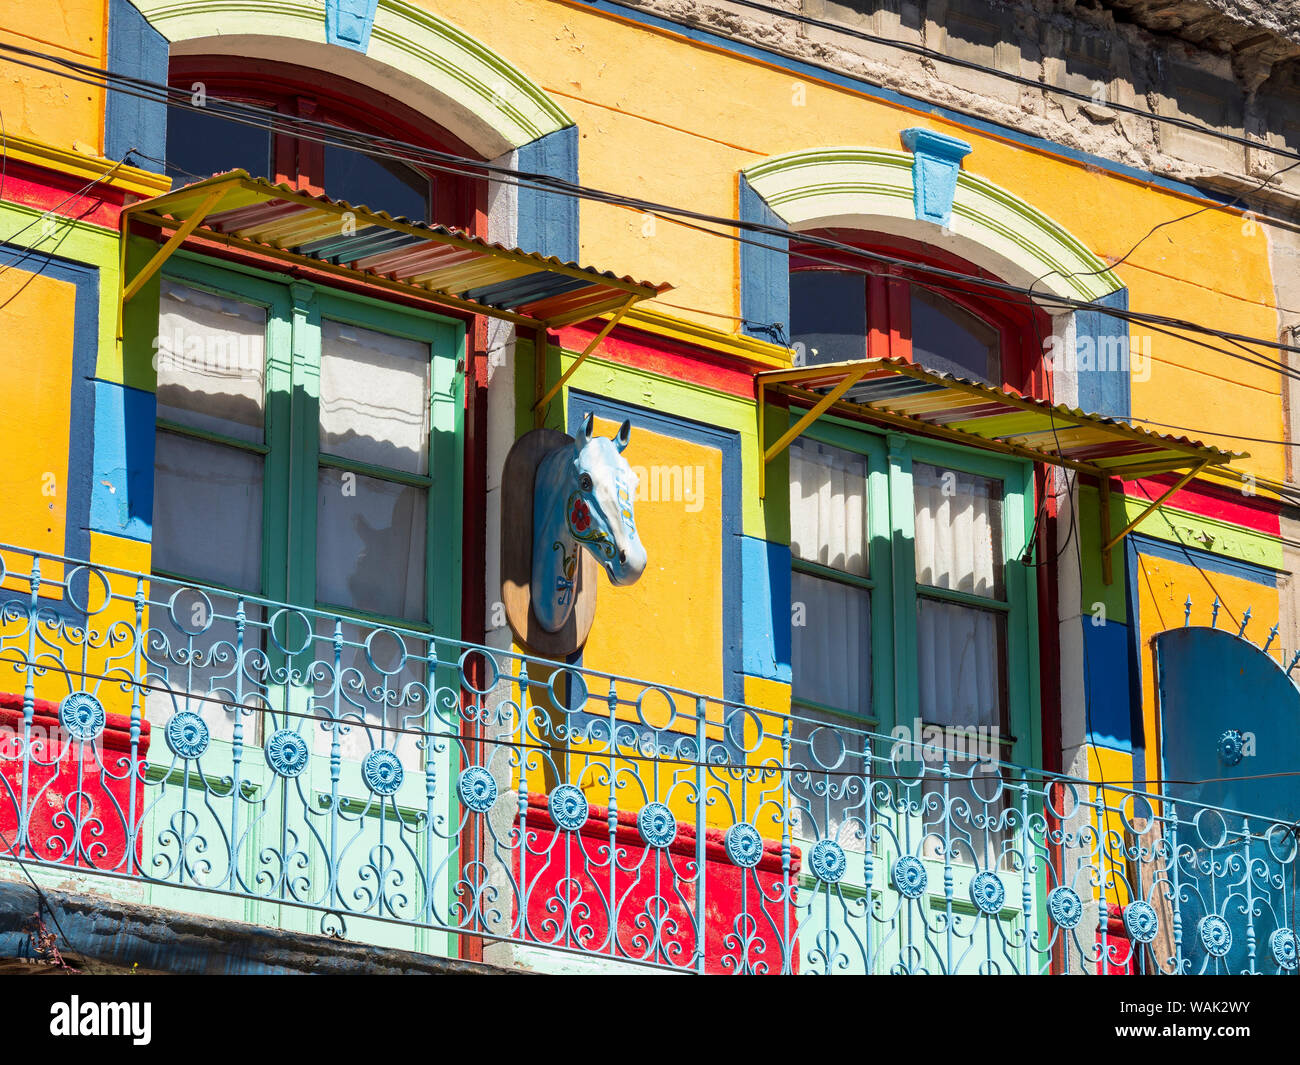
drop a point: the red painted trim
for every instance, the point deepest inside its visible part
(629, 346)
(1213, 501)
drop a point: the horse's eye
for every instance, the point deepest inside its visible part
(584, 482)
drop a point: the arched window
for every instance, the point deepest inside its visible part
(200, 144)
(845, 307)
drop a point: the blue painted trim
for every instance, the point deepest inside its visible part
(936, 159)
(548, 221)
(85, 347)
(1206, 560)
(1108, 684)
(1101, 358)
(121, 501)
(348, 23)
(764, 272)
(819, 73)
(138, 50)
(765, 609)
(728, 443)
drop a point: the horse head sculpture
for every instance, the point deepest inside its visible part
(582, 499)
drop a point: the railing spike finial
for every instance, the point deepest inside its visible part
(1293, 663)
(1245, 620)
(1272, 634)
(1187, 612)
(1214, 617)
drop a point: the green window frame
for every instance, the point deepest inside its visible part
(895, 594)
(291, 448)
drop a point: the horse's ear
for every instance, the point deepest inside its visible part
(620, 438)
(584, 433)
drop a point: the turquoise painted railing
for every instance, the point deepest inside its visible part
(291, 766)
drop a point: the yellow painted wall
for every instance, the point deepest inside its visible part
(38, 322)
(44, 105)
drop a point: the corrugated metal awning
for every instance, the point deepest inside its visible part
(445, 266)
(908, 396)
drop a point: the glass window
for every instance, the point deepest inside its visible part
(207, 522)
(961, 646)
(370, 544)
(211, 362)
(380, 184)
(374, 397)
(958, 530)
(201, 144)
(950, 339)
(828, 316)
(208, 480)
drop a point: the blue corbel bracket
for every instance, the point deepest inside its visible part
(348, 22)
(936, 160)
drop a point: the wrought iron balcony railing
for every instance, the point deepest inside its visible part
(226, 753)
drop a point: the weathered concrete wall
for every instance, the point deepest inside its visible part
(1231, 67)
(106, 934)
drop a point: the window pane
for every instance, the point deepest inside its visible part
(958, 530)
(961, 664)
(831, 643)
(370, 544)
(828, 315)
(374, 397)
(200, 144)
(211, 362)
(950, 339)
(207, 511)
(828, 506)
(380, 184)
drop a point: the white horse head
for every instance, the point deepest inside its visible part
(583, 497)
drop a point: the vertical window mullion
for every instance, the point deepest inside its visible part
(902, 524)
(303, 448)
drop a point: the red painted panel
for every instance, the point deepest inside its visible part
(1117, 958)
(654, 894)
(60, 194)
(58, 791)
(1223, 504)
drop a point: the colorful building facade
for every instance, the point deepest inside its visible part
(958, 410)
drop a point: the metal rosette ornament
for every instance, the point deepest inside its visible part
(828, 861)
(568, 808)
(1216, 935)
(910, 877)
(1065, 907)
(81, 716)
(286, 753)
(657, 825)
(743, 844)
(1286, 950)
(382, 771)
(187, 735)
(477, 789)
(1141, 921)
(987, 893)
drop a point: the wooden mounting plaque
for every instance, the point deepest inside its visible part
(517, 479)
